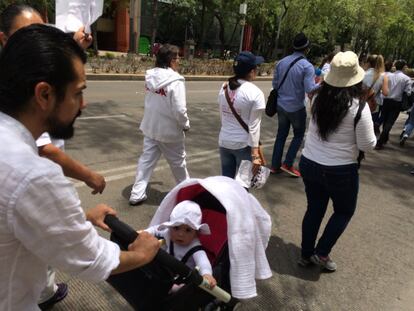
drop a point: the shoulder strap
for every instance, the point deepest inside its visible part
(191, 252)
(233, 111)
(361, 106)
(287, 71)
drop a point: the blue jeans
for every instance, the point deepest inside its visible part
(409, 124)
(338, 183)
(298, 121)
(230, 160)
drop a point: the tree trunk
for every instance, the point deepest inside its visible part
(221, 32)
(279, 26)
(154, 25)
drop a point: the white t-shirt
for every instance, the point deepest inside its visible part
(342, 146)
(45, 139)
(249, 102)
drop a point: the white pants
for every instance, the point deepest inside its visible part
(50, 288)
(175, 155)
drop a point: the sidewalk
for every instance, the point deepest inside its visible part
(141, 77)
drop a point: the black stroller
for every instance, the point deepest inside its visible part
(147, 288)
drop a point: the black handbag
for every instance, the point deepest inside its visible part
(271, 104)
(407, 101)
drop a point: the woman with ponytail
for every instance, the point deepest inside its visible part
(329, 159)
(376, 84)
(240, 99)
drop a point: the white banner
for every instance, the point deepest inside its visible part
(72, 15)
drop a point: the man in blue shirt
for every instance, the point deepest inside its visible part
(291, 103)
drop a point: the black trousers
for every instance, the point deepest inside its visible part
(390, 112)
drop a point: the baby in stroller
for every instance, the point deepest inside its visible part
(181, 238)
(240, 230)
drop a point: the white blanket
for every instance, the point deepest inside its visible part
(248, 231)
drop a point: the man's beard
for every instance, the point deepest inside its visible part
(58, 130)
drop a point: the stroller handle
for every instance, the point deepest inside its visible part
(127, 234)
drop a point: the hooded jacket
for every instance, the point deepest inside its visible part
(165, 113)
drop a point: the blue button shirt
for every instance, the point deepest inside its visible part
(300, 80)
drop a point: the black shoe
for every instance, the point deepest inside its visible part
(60, 294)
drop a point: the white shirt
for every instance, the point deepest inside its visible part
(398, 83)
(376, 87)
(342, 146)
(41, 223)
(249, 103)
(198, 259)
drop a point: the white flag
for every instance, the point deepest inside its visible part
(72, 15)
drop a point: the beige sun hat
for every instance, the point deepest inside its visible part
(345, 70)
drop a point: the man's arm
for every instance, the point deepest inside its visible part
(74, 169)
(140, 252)
(309, 80)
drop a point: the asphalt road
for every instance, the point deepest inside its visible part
(375, 256)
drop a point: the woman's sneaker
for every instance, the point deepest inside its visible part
(324, 262)
(290, 170)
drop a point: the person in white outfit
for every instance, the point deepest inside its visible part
(241, 106)
(181, 237)
(164, 123)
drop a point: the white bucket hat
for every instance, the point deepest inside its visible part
(187, 213)
(345, 70)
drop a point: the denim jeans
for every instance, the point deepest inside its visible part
(409, 123)
(298, 121)
(390, 113)
(230, 160)
(338, 183)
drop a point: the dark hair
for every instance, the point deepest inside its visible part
(326, 59)
(399, 64)
(9, 14)
(388, 65)
(165, 55)
(34, 54)
(331, 106)
(233, 83)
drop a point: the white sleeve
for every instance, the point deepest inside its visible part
(179, 104)
(365, 136)
(201, 261)
(254, 127)
(48, 220)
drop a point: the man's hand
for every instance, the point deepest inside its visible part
(96, 215)
(146, 245)
(83, 39)
(96, 182)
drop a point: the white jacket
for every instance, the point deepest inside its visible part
(165, 114)
(248, 230)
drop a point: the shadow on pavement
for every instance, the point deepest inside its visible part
(154, 196)
(283, 260)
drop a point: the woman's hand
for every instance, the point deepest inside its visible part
(256, 163)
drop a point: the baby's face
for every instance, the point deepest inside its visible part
(182, 235)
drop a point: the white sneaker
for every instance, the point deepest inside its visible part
(326, 262)
(137, 201)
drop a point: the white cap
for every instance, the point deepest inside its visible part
(187, 213)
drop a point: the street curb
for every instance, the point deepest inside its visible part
(141, 77)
